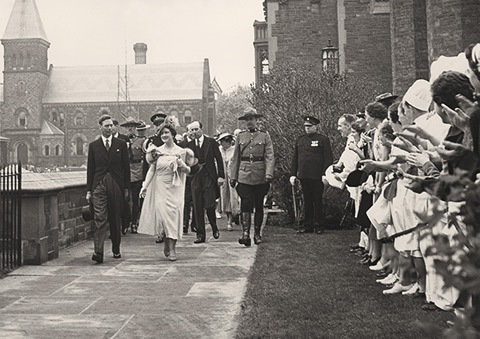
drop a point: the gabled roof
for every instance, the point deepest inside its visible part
(25, 22)
(216, 87)
(81, 84)
(50, 129)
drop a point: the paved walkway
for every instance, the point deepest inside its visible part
(141, 295)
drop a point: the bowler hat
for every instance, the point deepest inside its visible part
(87, 212)
(309, 120)
(385, 96)
(129, 121)
(250, 112)
(158, 116)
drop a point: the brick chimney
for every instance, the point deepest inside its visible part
(140, 49)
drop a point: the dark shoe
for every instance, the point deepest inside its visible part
(381, 274)
(418, 295)
(372, 262)
(430, 307)
(124, 231)
(194, 229)
(257, 239)
(159, 240)
(320, 231)
(199, 240)
(245, 240)
(365, 260)
(305, 230)
(134, 229)
(355, 246)
(97, 257)
(117, 255)
(216, 234)
(185, 230)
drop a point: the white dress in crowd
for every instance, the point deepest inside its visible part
(230, 198)
(162, 210)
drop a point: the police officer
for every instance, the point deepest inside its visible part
(252, 168)
(136, 170)
(311, 156)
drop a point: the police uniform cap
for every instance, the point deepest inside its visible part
(157, 117)
(250, 112)
(129, 121)
(310, 121)
(385, 97)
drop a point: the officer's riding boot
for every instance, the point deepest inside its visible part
(257, 238)
(246, 223)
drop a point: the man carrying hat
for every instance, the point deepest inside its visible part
(252, 168)
(311, 156)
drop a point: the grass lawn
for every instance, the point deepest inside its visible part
(310, 286)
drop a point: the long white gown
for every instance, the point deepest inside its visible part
(162, 209)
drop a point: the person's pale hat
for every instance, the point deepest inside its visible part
(419, 95)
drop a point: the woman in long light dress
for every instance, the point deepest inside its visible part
(164, 191)
(230, 199)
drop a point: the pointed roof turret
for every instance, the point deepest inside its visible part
(24, 22)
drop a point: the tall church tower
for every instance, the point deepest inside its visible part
(24, 80)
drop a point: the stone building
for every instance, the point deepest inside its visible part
(392, 42)
(48, 114)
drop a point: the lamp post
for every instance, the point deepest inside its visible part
(330, 58)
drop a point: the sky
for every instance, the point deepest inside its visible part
(102, 32)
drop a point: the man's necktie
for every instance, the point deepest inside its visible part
(107, 145)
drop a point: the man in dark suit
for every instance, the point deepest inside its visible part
(188, 204)
(311, 156)
(205, 184)
(108, 181)
(126, 215)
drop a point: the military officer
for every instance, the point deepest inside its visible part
(251, 172)
(311, 156)
(136, 171)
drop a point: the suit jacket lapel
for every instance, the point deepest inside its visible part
(206, 146)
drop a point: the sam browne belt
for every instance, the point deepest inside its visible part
(252, 158)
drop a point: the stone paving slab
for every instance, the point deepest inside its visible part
(141, 295)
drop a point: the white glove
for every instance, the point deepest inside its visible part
(292, 180)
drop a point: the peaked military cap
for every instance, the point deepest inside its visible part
(250, 112)
(309, 120)
(157, 117)
(129, 121)
(141, 125)
(385, 97)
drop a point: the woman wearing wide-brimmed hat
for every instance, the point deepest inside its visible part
(229, 197)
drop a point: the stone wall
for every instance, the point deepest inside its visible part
(51, 214)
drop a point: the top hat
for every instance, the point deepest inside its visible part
(356, 178)
(129, 121)
(250, 112)
(158, 117)
(142, 126)
(310, 121)
(88, 212)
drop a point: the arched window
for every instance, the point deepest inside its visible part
(187, 116)
(79, 146)
(62, 118)
(22, 153)
(46, 150)
(22, 118)
(54, 116)
(58, 150)
(79, 119)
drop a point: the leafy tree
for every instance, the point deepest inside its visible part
(231, 106)
(295, 90)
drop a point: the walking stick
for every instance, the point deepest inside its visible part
(295, 205)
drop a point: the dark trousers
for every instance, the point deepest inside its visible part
(108, 203)
(251, 198)
(204, 196)
(135, 188)
(313, 202)
(188, 206)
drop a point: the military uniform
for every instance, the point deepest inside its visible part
(252, 167)
(136, 176)
(311, 157)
